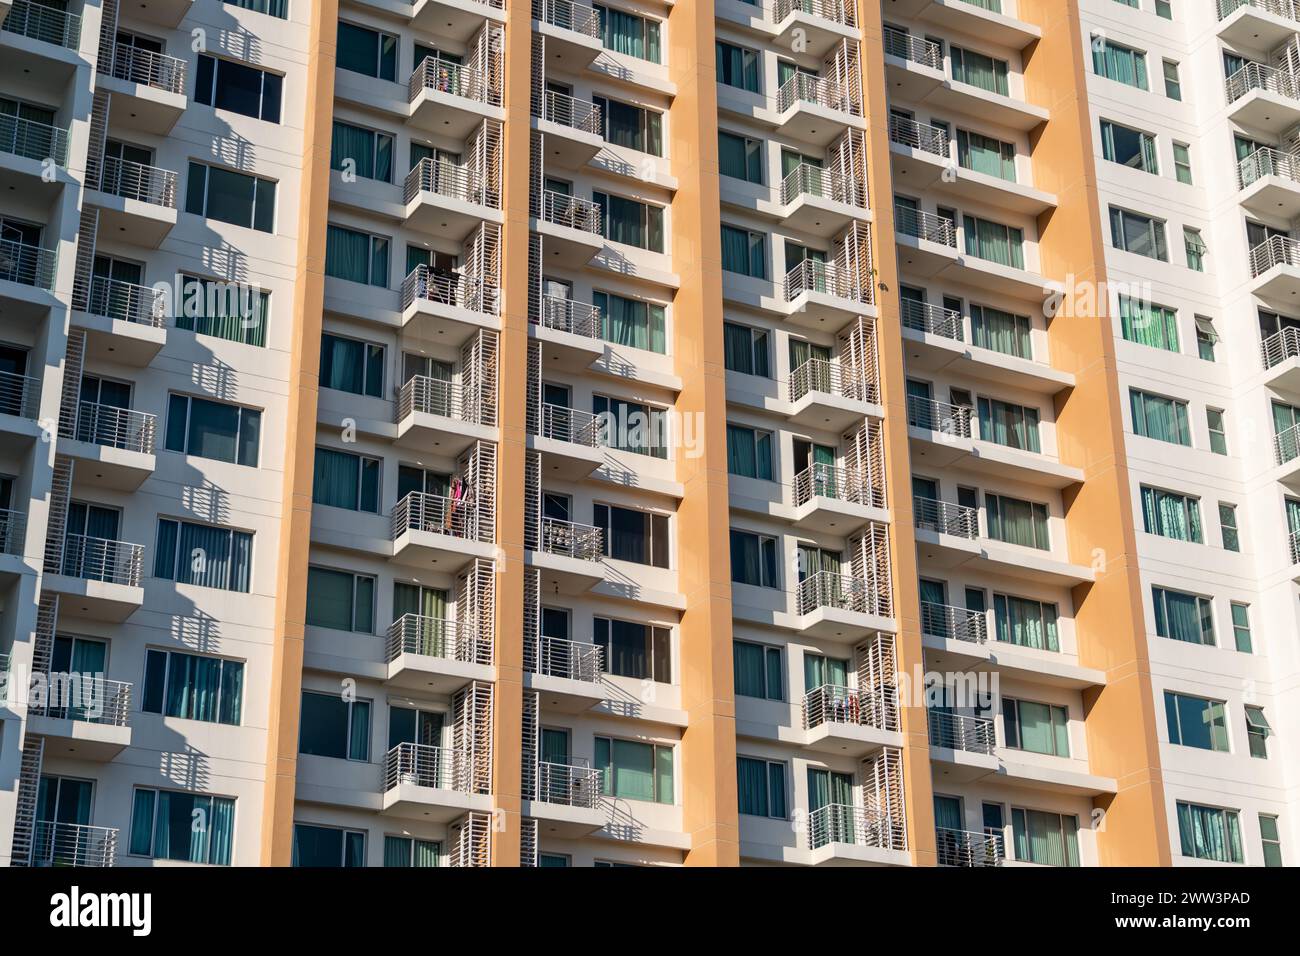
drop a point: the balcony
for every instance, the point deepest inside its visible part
(439, 532)
(570, 332)
(927, 242)
(844, 834)
(572, 32)
(573, 128)
(969, 847)
(437, 302)
(982, 18)
(1293, 552)
(150, 88)
(86, 714)
(1280, 358)
(914, 64)
(569, 440)
(954, 636)
(437, 414)
(436, 654)
(824, 394)
(840, 606)
(116, 443)
(137, 200)
(565, 673)
(13, 541)
(568, 798)
(814, 292)
(837, 500)
(1269, 180)
(100, 578)
(816, 109)
(963, 744)
(451, 99)
(570, 555)
(449, 200)
(919, 152)
(1263, 98)
(921, 156)
(818, 24)
(849, 721)
(821, 202)
(1275, 270)
(457, 19)
(1264, 24)
(124, 322)
(168, 13)
(570, 228)
(72, 844)
(432, 784)
(36, 21)
(1286, 454)
(20, 398)
(26, 280)
(27, 145)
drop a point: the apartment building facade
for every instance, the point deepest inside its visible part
(462, 433)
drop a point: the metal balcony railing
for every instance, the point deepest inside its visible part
(1267, 161)
(572, 783)
(565, 110)
(32, 140)
(573, 425)
(456, 79)
(571, 540)
(572, 660)
(1259, 76)
(953, 623)
(567, 15)
(836, 11)
(127, 301)
(820, 183)
(828, 278)
(39, 22)
(27, 265)
(571, 211)
(442, 287)
(816, 90)
(421, 511)
(831, 589)
(840, 484)
(423, 765)
(569, 315)
(922, 136)
(968, 847)
(830, 378)
(137, 65)
(13, 534)
(85, 697)
(73, 844)
(913, 49)
(149, 184)
(432, 396)
(1280, 346)
(1274, 251)
(115, 427)
(961, 732)
(951, 420)
(944, 517)
(1286, 445)
(932, 319)
(837, 704)
(437, 637)
(925, 225)
(857, 826)
(19, 395)
(1293, 539)
(448, 179)
(1282, 8)
(101, 559)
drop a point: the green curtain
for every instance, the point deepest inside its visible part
(1047, 838)
(1148, 324)
(1012, 425)
(995, 242)
(738, 348)
(1209, 833)
(1119, 63)
(752, 788)
(1017, 522)
(1025, 622)
(1160, 418)
(818, 671)
(736, 252)
(749, 668)
(979, 70)
(749, 453)
(1171, 515)
(142, 822)
(947, 813)
(336, 479)
(1000, 331)
(632, 323)
(984, 154)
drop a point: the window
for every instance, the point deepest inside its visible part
(740, 157)
(227, 310)
(984, 154)
(1038, 728)
(630, 535)
(1119, 63)
(1164, 9)
(340, 600)
(205, 429)
(1017, 522)
(364, 152)
(1196, 722)
(1148, 324)
(994, 241)
(246, 90)
(1272, 842)
(749, 452)
(631, 126)
(1257, 731)
(753, 559)
(356, 256)
(405, 851)
(351, 365)
(1183, 617)
(328, 846)
(1129, 147)
(554, 859)
(193, 687)
(367, 52)
(979, 70)
(631, 426)
(1209, 833)
(1195, 248)
(273, 8)
(1004, 423)
(757, 670)
(628, 33)
(190, 827)
(1050, 839)
(630, 222)
(745, 349)
(744, 252)
(1000, 331)
(1241, 626)
(1206, 338)
(635, 771)
(1138, 234)
(1218, 431)
(760, 787)
(1025, 622)
(334, 727)
(635, 650)
(1173, 87)
(205, 555)
(1164, 419)
(737, 66)
(228, 196)
(631, 322)
(345, 480)
(1182, 163)
(1171, 515)
(1228, 527)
